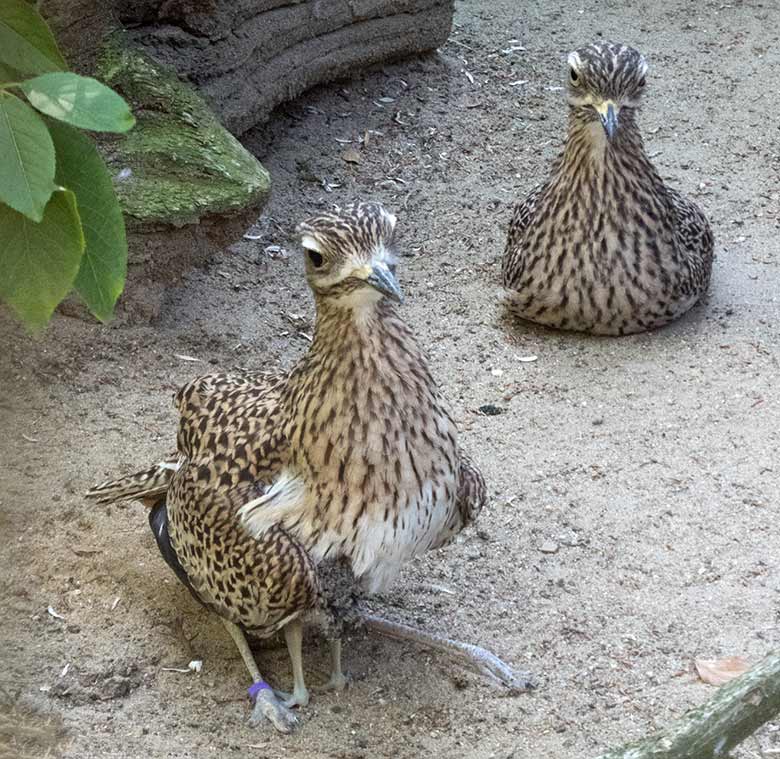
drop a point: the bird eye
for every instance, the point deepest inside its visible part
(315, 258)
(642, 82)
(575, 77)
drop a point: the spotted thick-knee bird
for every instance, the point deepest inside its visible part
(352, 458)
(604, 245)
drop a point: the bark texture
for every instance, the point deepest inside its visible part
(249, 56)
(712, 730)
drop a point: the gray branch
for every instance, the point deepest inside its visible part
(735, 712)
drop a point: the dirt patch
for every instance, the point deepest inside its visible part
(634, 521)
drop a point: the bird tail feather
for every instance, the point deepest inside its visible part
(147, 484)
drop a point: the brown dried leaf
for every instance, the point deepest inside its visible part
(719, 671)
(350, 155)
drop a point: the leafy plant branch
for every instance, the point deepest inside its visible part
(61, 226)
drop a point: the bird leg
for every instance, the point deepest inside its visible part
(337, 678)
(267, 706)
(293, 634)
(476, 657)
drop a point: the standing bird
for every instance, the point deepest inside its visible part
(604, 246)
(351, 458)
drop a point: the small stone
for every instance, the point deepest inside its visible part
(350, 155)
(549, 546)
(490, 410)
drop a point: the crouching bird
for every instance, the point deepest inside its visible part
(352, 457)
(604, 245)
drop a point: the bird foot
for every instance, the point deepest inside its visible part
(269, 707)
(494, 668)
(484, 661)
(296, 698)
(338, 681)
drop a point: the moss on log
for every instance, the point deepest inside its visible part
(710, 731)
(183, 164)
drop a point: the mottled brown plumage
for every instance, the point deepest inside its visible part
(604, 246)
(351, 457)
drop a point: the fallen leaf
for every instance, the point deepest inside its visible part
(719, 671)
(350, 155)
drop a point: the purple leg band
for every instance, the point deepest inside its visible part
(255, 688)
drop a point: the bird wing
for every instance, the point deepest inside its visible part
(694, 239)
(225, 404)
(231, 427)
(218, 414)
(470, 498)
(258, 583)
(512, 267)
(472, 492)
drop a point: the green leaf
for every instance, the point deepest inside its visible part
(26, 158)
(8, 74)
(80, 168)
(26, 43)
(79, 100)
(38, 262)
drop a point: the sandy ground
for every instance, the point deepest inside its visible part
(647, 465)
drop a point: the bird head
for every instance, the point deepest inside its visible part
(349, 254)
(605, 79)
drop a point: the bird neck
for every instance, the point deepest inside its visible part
(366, 329)
(588, 148)
(373, 342)
(340, 318)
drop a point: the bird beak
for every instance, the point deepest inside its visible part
(609, 117)
(383, 280)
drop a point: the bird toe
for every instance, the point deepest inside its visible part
(337, 682)
(268, 707)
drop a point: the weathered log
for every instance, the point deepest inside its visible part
(710, 731)
(248, 56)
